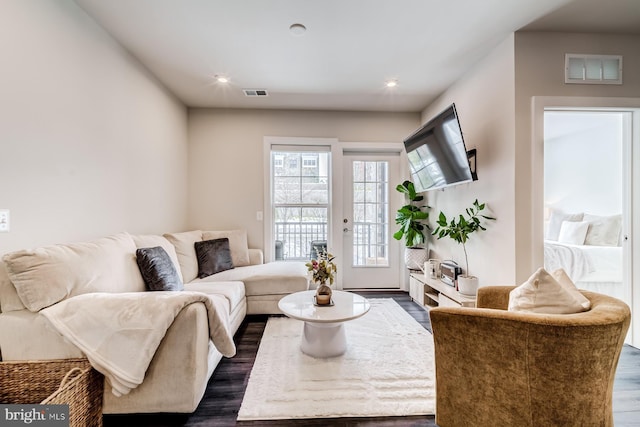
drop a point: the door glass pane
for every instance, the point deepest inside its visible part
(370, 208)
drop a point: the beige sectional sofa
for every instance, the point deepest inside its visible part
(177, 376)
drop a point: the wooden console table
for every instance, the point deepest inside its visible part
(428, 292)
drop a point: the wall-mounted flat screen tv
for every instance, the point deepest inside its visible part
(437, 153)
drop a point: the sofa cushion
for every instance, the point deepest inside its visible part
(232, 291)
(152, 240)
(157, 270)
(185, 249)
(542, 293)
(46, 275)
(273, 278)
(238, 244)
(213, 257)
(29, 336)
(255, 256)
(9, 299)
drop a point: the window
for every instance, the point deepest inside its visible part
(300, 202)
(309, 161)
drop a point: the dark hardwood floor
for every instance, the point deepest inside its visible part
(223, 396)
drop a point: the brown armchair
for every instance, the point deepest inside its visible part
(501, 368)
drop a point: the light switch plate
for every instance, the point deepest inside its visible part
(4, 220)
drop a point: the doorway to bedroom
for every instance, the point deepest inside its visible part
(587, 198)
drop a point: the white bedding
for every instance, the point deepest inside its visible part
(594, 268)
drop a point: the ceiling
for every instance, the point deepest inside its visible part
(348, 51)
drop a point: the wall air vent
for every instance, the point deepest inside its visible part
(593, 69)
(255, 92)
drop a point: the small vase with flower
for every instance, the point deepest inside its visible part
(322, 270)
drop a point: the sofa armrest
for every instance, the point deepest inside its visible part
(177, 376)
(496, 297)
(256, 256)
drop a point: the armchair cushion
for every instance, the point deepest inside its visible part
(542, 293)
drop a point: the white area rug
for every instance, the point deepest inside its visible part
(387, 370)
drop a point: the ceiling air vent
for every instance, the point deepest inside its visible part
(255, 92)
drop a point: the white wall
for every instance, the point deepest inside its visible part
(226, 172)
(90, 142)
(539, 69)
(583, 162)
(484, 99)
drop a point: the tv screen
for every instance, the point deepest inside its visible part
(437, 153)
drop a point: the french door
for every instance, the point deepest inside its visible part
(371, 256)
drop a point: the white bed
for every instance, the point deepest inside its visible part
(593, 268)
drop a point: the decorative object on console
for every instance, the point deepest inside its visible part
(433, 267)
(410, 219)
(450, 272)
(322, 271)
(459, 230)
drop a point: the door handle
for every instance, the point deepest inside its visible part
(346, 230)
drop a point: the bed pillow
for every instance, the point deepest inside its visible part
(542, 293)
(213, 256)
(573, 232)
(237, 244)
(555, 222)
(603, 230)
(157, 269)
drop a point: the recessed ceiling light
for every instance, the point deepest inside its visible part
(297, 29)
(221, 79)
(391, 83)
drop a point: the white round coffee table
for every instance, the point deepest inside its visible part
(323, 334)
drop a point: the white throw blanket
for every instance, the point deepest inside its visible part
(120, 332)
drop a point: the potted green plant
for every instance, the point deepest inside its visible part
(459, 231)
(411, 219)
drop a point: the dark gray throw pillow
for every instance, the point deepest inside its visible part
(158, 271)
(213, 256)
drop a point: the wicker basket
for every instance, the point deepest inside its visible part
(64, 381)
